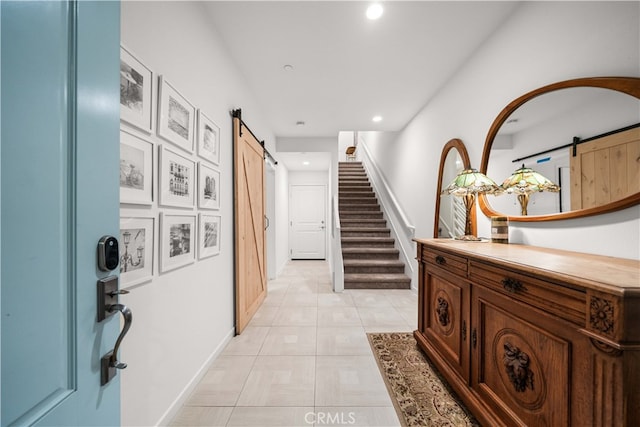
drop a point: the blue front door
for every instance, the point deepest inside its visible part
(59, 179)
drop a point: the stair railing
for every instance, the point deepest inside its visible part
(443, 224)
(459, 216)
(338, 264)
(399, 222)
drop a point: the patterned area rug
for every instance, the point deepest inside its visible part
(420, 395)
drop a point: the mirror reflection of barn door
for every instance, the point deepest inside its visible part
(250, 242)
(605, 169)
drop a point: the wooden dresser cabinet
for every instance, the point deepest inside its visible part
(529, 336)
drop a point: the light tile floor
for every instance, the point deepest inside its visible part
(304, 359)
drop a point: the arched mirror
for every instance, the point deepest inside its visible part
(450, 213)
(582, 134)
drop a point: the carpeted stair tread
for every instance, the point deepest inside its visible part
(376, 277)
(358, 232)
(363, 223)
(373, 267)
(378, 262)
(351, 190)
(369, 239)
(344, 198)
(376, 281)
(358, 200)
(390, 251)
(353, 183)
(367, 242)
(360, 215)
(364, 230)
(351, 207)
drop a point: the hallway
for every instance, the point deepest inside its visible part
(304, 359)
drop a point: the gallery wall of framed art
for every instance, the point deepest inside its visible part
(136, 92)
(136, 245)
(170, 176)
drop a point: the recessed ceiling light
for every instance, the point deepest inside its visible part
(374, 11)
(377, 119)
(305, 163)
(300, 123)
(288, 67)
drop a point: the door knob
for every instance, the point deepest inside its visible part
(108, 305)
(109, 362)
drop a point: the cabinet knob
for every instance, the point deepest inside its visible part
(440, 260)
(464, 330)
(512, 285)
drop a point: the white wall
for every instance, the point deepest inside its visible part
(308, 178)
(282, 216)
(184, 317)
(541, 43)
(345, 139)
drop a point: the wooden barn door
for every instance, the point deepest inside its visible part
(250, 242)
(605, 170)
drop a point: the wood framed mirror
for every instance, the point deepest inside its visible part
(449, 220)
(548, 128)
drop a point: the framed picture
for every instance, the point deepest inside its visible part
(177, 240)
(208, 139)
(208, 187)
(209, 235)
(177, 117)
(136, 92)
(177, 179)
(136, 250)
(136, 169)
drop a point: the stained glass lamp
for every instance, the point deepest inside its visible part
(467, 184)
(525, 181)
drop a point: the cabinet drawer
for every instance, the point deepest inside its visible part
(562, 301)
(452, 263)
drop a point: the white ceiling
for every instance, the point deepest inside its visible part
(305, 162)
(347, 68)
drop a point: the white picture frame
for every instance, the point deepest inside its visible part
(136, 169)
(176, 116)
(177, 184)
(208, 139)
(136, 91)
(208, 187)
(177, 240)
(208, 235)
(136, 245)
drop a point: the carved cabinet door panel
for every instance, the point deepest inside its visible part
(520, 367)
(446, 319)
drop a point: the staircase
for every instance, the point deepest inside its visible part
(370, 259)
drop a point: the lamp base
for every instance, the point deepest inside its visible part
(468, 238)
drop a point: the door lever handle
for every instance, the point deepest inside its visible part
(109, 362)
(118, 292)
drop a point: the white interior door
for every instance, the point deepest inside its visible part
(307, 220)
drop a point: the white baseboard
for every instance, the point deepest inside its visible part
(175, 407)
